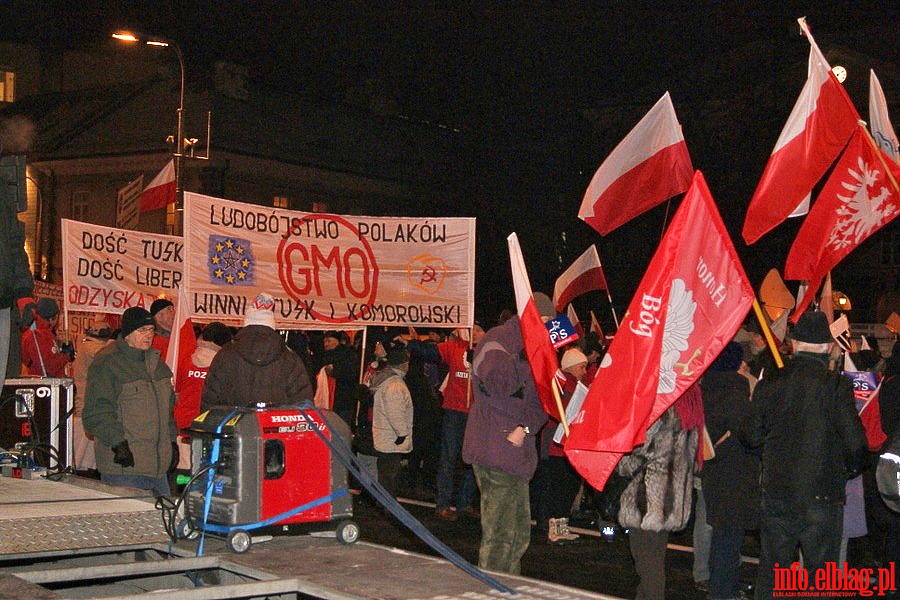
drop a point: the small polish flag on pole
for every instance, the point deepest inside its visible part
(161, 191)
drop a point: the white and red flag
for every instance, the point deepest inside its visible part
(595, 327)
(879, 121)
(689, 304)
(538, 349)
(820, 124)
(859, 198)
(183, 342)
(161, 191)
(573, 319)
(583, 276)
(650, 165)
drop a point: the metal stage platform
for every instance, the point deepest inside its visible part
(111, 544)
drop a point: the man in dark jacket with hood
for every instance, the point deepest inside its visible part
(812, 441)
(257, 367)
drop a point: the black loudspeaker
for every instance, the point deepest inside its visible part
(36, 418)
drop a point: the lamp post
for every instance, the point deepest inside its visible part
(173, 221)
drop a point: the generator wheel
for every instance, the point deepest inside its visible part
(347, 532)
(185, 531)
(238, 541)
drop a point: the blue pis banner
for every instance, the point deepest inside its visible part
(562, 332)
(864, 384)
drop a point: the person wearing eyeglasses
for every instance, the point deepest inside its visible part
(128, 408)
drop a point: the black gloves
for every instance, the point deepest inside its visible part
(69, 349)
(123, 455)
(400, 439)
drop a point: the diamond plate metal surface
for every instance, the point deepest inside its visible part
(43, 534)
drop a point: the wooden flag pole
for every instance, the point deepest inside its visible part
(613, 309)
(562, 412)
(767, 332)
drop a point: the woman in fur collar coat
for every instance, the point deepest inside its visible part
(658, 498)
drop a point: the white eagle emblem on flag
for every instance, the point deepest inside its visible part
(860, 214)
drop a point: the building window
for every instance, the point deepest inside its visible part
(7, 86)
(79, 205)
(281, 202)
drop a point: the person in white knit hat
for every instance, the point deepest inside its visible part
(257, 367)
(556, 483)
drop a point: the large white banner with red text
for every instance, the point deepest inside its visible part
(327, 270)
(108, 270)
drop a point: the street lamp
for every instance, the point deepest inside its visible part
(173, 223)
(840, 301)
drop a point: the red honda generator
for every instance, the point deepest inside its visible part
(267, 469)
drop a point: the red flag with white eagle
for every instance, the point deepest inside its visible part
(160, 191)
(859, 198)
(538, 349)
(821, 122)
(583, 276)
(183, 342)
(649, 166)
(689, 304)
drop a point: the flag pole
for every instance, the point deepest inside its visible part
(554, 385)
(767, 331)
(612, 308)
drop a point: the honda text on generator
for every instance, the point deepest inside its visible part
(268, 469)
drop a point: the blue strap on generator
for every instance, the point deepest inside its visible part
(362, 474)
(210, 478)
(226, 529)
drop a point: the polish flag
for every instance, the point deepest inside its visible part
(650, 165)
(822, 121)
(860, 197)
(538, 349)
(161, 191)
(573, 318)
(582, 276)
(879, 121)
(595, 328)
(183, 342)
(689, 304)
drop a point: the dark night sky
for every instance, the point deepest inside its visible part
(522, 81)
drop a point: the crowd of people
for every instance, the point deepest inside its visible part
(453, 416)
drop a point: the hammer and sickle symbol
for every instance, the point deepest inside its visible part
(428, 275)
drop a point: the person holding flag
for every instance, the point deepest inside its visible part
(804, 419)
(499, 443)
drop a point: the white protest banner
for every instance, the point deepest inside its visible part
(108, 270)
(328, 270)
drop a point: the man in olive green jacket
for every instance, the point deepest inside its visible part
(128, 408)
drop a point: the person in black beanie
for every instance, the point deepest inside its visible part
(163, 312)
(128, 408)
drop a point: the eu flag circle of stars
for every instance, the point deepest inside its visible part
(230, 262)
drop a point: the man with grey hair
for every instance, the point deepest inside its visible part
(804, 418)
